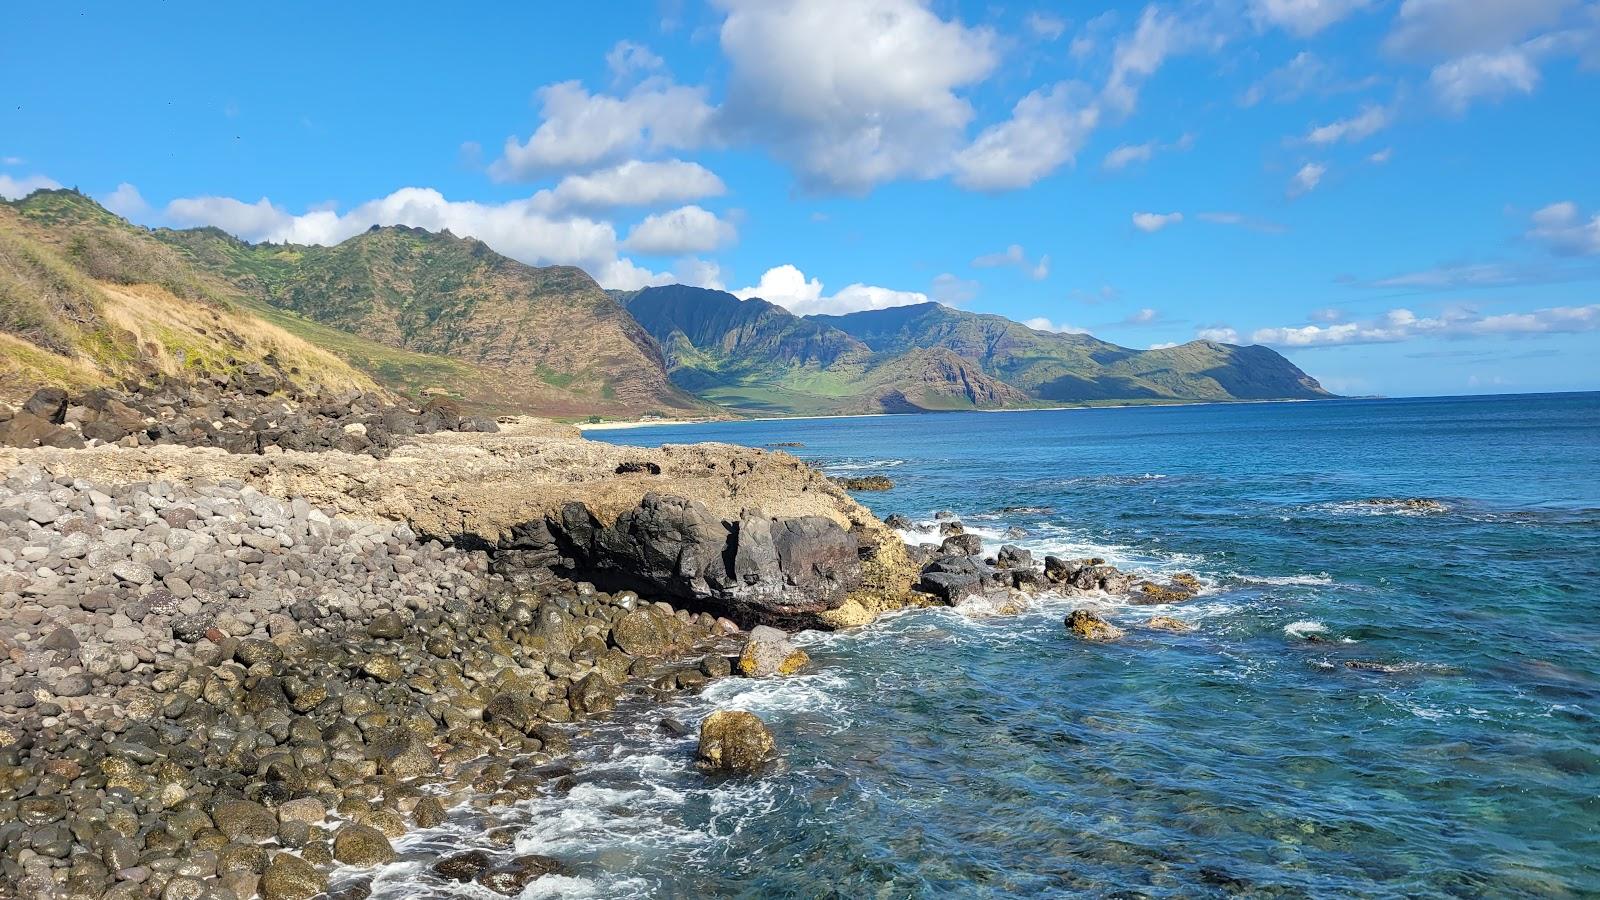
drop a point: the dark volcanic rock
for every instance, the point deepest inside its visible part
(759, 570)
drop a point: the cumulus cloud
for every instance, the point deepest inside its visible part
(1220, 334)
(1149, 222)
(788, 287)
(687, 229)
(1014, 255)
(1043, 324)
(1369, 121)
(635, 183)
(1303, 18)
(1146, 316)
(17, 188)
(628, 60)
(1403, 324)
(1046, 130)
(1306, 180)
(126, 201)
(520, 229)
(580, 130)
(1562, 228)
(852, 93)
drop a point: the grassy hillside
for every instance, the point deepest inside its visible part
(451, 311)
(86, 298)
(754, 356)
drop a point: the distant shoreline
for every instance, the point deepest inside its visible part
(622, 425)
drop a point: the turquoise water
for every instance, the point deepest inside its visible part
(939, 755)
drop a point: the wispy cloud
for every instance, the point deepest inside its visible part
(1403, 325)
(1015, 256)
(1306, 180)
(1149, 222)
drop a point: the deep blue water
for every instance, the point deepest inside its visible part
(936, 754)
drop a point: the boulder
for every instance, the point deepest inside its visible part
(769, 652)
(1168, 623)
(510, 878)
(1091, 627)
(360, 845)
(244, 821)
(1014, 557)
(647, 631)
(734, 741)
(962, 545)
(288, 877)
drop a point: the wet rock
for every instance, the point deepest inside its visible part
(734, 741)
(1168, 623)
(1091, 627)
(1013, 557)
(288, 877)
(647, 632)
(360, 845)
(768, 651)
(245, 821)
(961, 545)
(865, 483)
(463, 866)
(510, 878)
(899, 522)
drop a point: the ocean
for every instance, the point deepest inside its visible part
(1378, 699)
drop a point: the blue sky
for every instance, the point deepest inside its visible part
(1401, 195)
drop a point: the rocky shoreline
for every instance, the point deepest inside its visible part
(224, 675)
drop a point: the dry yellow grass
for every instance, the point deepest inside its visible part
(180, 336)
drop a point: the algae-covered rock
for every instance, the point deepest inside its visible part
(288, 877)
(360, 845)
(1091, 627)
(734, 741)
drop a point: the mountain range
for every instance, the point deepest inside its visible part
(87, 297)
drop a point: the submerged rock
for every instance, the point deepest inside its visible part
(865, 483)
(1168, 623)
(1091, 627)
(734, 741)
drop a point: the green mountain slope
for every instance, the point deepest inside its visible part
(756, 356)
(547, 340)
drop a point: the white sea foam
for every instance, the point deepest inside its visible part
(861, 465)
(1320, 578)
(1303, 628)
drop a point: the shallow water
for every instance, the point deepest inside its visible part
(935, 754)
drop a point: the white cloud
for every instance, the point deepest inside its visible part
(852, 93)
(1043, 324)
(952, 290)
(1304, 75)
(1403, 324)
(1303, 18)
(1446, 28)
(1220, 334)
(788, 287)
(1138, 55)
(17, 188)
(1242, 221)
(1149, 222)
(1491, 76)
(1360, 126)
(1164, 345)
(1146, 316)
(1127, 154)
(699, 273)
(628, 59)
(1307, 179)
(126, 201)
(520, 229)
(582, 130)
(1382, 156)
(1562, 228)
(636, 183)
(1045, 25)
(11, 161)
(1014, 255)
(687, 229)
(1047, 128)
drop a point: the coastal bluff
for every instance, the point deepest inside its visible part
(756, 535)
